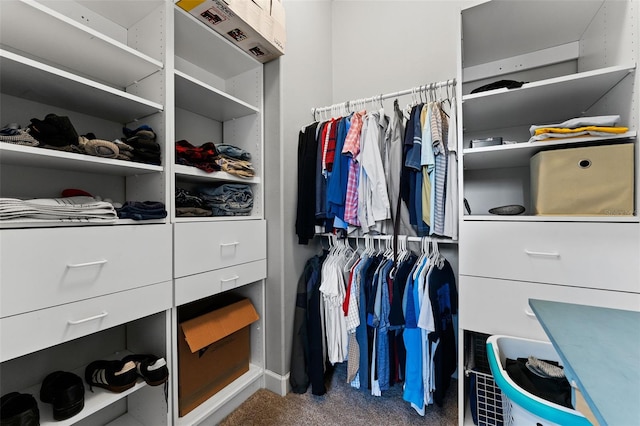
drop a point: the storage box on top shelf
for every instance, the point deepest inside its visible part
(213, 351)
(594, 180)
(245, 23)
(279, 34)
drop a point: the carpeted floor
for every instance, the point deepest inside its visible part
(341, 405)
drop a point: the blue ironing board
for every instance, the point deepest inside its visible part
(600, 350)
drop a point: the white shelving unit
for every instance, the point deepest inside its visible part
(583, 64)
(108, 65)
(218, 98)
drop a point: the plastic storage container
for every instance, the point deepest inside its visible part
(521, 407)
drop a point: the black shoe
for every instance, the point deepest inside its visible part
(65, 391)
(151, 368)
(116, 376)
(19, 409)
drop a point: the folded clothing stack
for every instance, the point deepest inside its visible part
(145, 148)
(189, 204)
(203, 157)
(67, 209)
(603, 125)
(235, 160)
(229, 199)
(54, 130)
(212, 157)
(58, 133)
(14, 134)
(105, 149)
(142, 210)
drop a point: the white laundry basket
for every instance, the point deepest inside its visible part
(521, 407)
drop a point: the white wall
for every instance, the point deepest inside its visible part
(293, 85)
(336, 51)
(384, 46)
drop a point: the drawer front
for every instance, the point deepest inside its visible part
(592, 255)
(33, 331)
(502, 307)
(202, 246)
(54, 266)
(194, 287)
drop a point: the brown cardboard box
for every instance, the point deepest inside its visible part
(213, 351)
(242, 22)
(593, 180)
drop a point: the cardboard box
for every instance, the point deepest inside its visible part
(264, 5)
(278, 31)
(277, 12)
(594, 180)
(213, 351)
(243, 22)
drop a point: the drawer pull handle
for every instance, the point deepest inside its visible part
(542, 253)
(84, 265)
(235, 243)
(529, 313)
(93, 318)
(226, 280)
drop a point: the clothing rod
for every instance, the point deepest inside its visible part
(415, 91)
(390, 237)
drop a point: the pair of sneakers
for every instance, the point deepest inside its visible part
(120, 375)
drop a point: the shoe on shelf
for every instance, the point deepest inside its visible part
(19, 409)
(116, 376)
(65, 391)
(151, 368)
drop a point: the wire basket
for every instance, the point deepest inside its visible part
(488, 410)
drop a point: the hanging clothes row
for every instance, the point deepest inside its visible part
(392, 323)
(363, 172)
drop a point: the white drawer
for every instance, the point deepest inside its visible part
(205, 246)
(49, 267)
(593, 255)
(33, 331)
(194, 287)
(502, 307)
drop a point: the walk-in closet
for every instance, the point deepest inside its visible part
(279, 211)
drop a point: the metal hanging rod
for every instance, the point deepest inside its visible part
(360, 103)
(389, 237)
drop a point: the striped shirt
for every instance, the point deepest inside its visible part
(352, 147)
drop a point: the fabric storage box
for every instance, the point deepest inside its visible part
(521, 407)
(213, 351)
(595, 180)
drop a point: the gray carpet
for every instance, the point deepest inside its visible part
(341, 405)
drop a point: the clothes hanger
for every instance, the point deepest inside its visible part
(424, 245)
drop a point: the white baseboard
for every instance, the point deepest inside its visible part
(276, 383)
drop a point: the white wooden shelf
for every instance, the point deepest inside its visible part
(194, 174)
(215, 218)
(203, 99)
(93, 401)
(39, 82)
(51, 159)
(540, 102)
(55, 224)
(485, 27)
(50, 33)
(516, 155)
(530, 218)
(202, 46)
